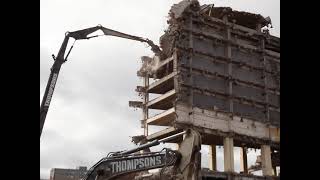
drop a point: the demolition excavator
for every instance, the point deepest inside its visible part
(183, 163)
(62, 58)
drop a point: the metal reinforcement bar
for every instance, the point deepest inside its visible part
(153, 143)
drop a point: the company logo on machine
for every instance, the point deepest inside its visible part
(136, 163)
(51, 88)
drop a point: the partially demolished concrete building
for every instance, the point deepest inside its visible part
(219, 73)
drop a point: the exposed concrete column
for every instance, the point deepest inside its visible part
(177, 145)
(213, 157)
(228, 154)
(243, 160)
(275, 170)
(266, 160)
(145, 101)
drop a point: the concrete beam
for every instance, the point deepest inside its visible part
(161, 86)
(228, 154)
(163, 119)
(266, 160)
(163, 102)
(213, 157)
(215, 120)
(163, 133)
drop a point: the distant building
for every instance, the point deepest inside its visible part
(68, 174)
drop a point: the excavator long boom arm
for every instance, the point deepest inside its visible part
(62, 57)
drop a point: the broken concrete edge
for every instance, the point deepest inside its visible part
(272, 131)
(248, 141)
(180, 11)
(140, 139)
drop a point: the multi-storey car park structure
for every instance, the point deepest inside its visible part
(219, 73)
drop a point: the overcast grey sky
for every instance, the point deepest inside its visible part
(89, 114)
